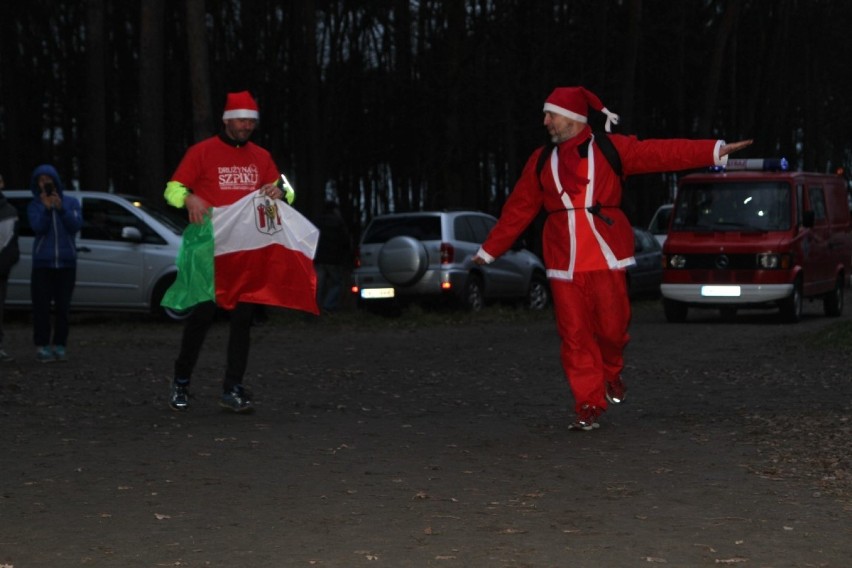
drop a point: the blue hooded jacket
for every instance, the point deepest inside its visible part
(55, 230)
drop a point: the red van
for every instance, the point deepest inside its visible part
(757, 236)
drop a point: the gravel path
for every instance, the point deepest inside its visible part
(431, 440)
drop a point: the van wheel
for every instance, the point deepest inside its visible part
(675, 311)
(791, 307)
(832, 302)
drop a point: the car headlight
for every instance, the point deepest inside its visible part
(677, 261)
(771, 260)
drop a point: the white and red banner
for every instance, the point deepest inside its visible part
(257, 250)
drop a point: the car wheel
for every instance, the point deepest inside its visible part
(403, 260)
(675, 311)
(538, 297)
(157, 297)
(832, 302)
(473, 295)
(791, 307)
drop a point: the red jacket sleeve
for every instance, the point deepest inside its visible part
(663, 155)
(520, 209)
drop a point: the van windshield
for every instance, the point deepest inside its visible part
(733, 206)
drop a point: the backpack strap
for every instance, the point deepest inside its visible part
(602, 141)
(610, 153)
(542, 159)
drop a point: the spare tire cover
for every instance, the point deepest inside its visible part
(403, 260)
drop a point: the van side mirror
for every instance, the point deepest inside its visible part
(808, 219)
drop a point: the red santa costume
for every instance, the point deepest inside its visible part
(588, 240)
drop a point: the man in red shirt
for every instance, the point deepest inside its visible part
(587, 239)
(216, 172)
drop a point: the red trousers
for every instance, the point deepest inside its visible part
(592, 316)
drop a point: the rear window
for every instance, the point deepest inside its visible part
(733, 206)
(424, 228)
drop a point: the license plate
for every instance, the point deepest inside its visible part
(721, 291)
(376, 293)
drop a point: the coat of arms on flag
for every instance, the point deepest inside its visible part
(267, 218)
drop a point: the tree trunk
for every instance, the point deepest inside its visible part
(631, 56)
(304, 110)
(452, 192)
(714, 75)
(152, 175)
(94, 158)
(199, 70)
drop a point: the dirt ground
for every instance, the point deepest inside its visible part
(430, 440)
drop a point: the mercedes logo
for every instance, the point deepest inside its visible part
(722, 261)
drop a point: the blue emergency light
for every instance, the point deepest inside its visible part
(756, 164)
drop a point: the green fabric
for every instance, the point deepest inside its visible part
(287, 189)
(195, 281)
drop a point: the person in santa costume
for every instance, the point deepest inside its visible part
(587, 238)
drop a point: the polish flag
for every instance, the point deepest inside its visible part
(258, 250)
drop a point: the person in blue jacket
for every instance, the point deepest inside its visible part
(55, 219)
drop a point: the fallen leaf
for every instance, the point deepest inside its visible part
(511, 530)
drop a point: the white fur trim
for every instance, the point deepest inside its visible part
(484, 255)
(554, 274)
(571, 216)
(717, 159)
(240, 113)
(550, 107)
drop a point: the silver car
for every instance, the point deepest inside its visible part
(426, 257)
(644, 277)
(126, 253)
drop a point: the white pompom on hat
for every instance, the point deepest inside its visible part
(240, 105)
(574, 103)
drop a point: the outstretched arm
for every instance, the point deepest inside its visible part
(734, 147)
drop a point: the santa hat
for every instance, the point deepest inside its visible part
(574, 103)
(240, 105)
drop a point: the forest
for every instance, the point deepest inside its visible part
(394, 105)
